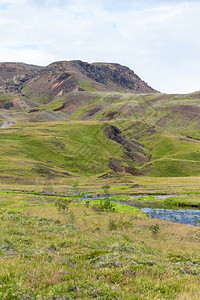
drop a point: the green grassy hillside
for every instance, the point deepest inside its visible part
(72, 140)
(52, 149)
(81, 148)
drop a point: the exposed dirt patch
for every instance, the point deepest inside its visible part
(193, 138)
(91, 113)
(33, 110)
(148, 132)
(110, 115)
(17, 103)
(116, 135)
(190, 110)
(75, 100)
(116, 165)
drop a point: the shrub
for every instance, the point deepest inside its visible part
(76, 193)
(87, 203)
(154, 229)
(104, 206)
(63, 205)
(112, 225)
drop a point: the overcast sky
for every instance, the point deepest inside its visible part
(159, 40)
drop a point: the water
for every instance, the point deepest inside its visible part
(182, 216)
(188, 216)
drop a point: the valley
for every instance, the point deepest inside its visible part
(72, 129)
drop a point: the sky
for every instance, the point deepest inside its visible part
(158, 40)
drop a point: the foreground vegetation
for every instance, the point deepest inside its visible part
(88, 253)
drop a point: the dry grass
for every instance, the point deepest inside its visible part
(45, 254)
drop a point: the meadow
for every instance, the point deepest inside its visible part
(87, 253)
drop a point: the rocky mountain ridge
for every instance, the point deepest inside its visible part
(60, 78)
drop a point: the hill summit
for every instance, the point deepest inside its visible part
(60, 78)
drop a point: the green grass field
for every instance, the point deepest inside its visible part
(86, 254)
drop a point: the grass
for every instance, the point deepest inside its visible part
(80, 148)
(52, 105)
(86, 86)
(121, 183)
(171, 156)
(84, 108)
(178, 200)
(121, 208)
(42, 252)
(6, 97)
(184, 200)
(43, 148)
(86, 254)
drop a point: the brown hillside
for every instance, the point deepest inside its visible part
(45, 84)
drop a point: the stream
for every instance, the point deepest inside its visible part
(187, 215)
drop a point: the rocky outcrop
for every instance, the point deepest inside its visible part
(131, 147)
(57, 79)
(5, 104)
(123, 77)
(117, 166)
(132, 150)
(113, 74)
(14, 75)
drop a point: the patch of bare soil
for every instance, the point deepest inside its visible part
(117, 166)
(91, 113)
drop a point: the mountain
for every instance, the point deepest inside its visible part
(45, 84)
(79, 119)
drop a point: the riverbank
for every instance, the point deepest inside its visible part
(158, 207)
(182, 200)
(183, 209)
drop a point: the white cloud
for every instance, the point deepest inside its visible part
(159, 42)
